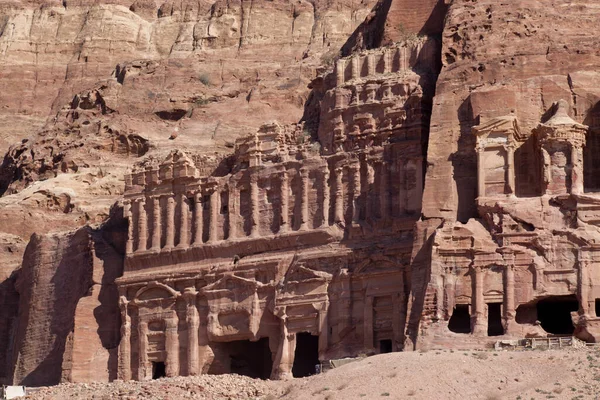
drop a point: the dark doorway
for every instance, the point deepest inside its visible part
(597, 307)
(158, 370)
(306, 356)
(385, 346)
(460, 321)
(251, 359)
(495, 319)
(554, 314)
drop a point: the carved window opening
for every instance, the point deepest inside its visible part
(385, 346)
(591, 161)
(495, 327)
(554, 314)
(597, 304)
(252, 359)
(224, 203)
(306, 356)
(158, 370)
(460, 321)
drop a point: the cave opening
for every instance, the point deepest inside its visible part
(158, 370)
(306, 356)
(495, 327)
(554, 314)
(385, 346)
(252, 359)
(460, 321)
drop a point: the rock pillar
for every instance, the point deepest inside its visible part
(213, 231)
(198, 219)
(172, 346)
(285, 202)
(127, 214)
(326, 195)
(193, 324)
(124, 372)
(355, 67)
(479, 319)
(143, 350)
(232, 211)
(370, 211)
(371, 64)
(480, 173)
(583, 284)
(510, 152)
(142, 225)
(323, 330)
(304, 199)
(356, 192)
(383, 190)
(368, 323)
(577, 168)
(509, 297)
(285, 354)
(184, 223)
(156, 227)
(340, 67)
(339, 195)
(254, 200)
(170, 234)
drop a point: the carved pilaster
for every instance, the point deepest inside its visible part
(143, 367)
(172, 346)
(128, 215)
(142, 225)
(156, 225)
(198, 219)
(213, 229)
(339, 195)
(384, 204)
(255, 202)
(285, 205)
(478, 318)
(170, 231)
(356, 192)
(326, 196)
(193, 324)
(124, 372)
(184, 222)
(304, 178)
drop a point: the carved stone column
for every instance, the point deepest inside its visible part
(127, 214)
(326, 196)
(232, 210)
(304, 199)
(368, 323)
(371, 64)
(478, 319)
(480, 172)
(124, 372)
(172, 346)
(387, 59)
(285, 205)
(255, 217)
(370, 212)
(340, 67)
(356, 192)
(355, 67)
(156, 227)
(184, 224)
(143, 350)
(583, 282)
(339, 195)
(213, 229)
(193, 324)
(577, 168)
(402, 184)
(323, 330)
(285, 354)
(142, 225)
(384, 204)
(510, 155)
(170, 231)
(198, 219)
(509, 297)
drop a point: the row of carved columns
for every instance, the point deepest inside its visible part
(146, 232)
(394, 60)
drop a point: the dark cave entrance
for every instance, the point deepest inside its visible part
(554, 314)
(460, 321)
(385, 346)
(495, 327)
(158, 370)
(306, 356)
(252, 359)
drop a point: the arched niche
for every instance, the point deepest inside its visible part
(155, 291)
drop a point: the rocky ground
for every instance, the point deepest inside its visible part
(556, 374)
